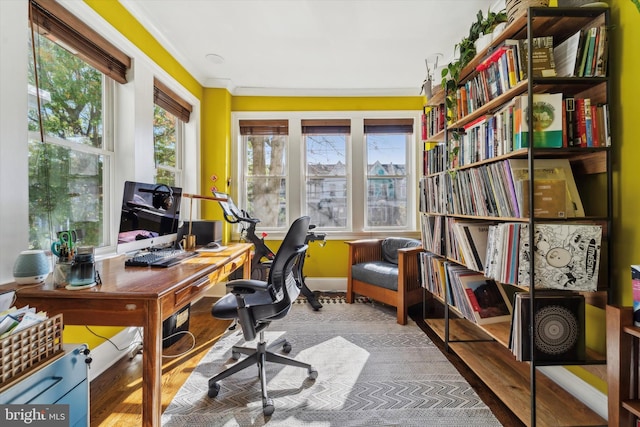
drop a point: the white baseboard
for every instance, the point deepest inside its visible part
(106, 354)
(581, 390)
(327, 284)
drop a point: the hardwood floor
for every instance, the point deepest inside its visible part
(116, 396)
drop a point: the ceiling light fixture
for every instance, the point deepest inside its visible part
(214, 58)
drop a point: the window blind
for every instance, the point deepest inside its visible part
(264, 127)
(56, 23)
(404, 126)
(170, 101)
(331, 126)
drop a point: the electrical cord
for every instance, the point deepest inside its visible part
(193, 344)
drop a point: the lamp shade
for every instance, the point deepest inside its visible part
(32, 266)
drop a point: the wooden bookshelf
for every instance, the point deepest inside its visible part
(485, 348)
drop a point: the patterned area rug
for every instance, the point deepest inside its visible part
(371, 372)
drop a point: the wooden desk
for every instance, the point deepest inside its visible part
(139, 296)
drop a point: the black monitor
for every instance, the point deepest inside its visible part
(149, 217)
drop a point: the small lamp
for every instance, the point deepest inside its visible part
(32, 266)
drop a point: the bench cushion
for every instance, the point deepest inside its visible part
(390, 247)
(379, 273)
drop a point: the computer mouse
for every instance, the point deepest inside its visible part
(212, 245)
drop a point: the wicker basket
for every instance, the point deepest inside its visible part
(517, 8)
(26, 350)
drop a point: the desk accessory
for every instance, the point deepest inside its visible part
(83, 272)
(32, 266)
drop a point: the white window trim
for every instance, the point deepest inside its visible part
(356, 187)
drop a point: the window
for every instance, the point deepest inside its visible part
(70, 151)
(265, 145)
(387, 142)
(169, 115)
(350, 173)
(326, 143)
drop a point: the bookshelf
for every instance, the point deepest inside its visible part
(477, 175)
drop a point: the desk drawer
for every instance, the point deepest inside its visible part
(187, 293)
(233, 265)
(49, 384)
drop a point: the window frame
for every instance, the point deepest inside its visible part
(356, 171)
(107, 149)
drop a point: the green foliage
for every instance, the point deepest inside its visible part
(467, 50)
(637, 3)
(64, 182)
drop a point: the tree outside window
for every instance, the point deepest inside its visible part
(67, 167)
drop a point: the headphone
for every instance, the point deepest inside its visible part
(162, 199)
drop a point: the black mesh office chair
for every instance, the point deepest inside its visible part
(255, 304)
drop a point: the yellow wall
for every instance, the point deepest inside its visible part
(625, 110)
(330, 260)
(217, 105)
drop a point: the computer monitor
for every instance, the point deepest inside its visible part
(149, 217)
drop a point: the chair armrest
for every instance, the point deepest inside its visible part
(364, 250)
(243, 286)
(408, 269)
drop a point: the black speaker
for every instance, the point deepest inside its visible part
(206, 231)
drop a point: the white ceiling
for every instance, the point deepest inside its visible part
(309, 47)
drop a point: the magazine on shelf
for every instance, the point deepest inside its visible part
(559, 326)
(567, 256)
(550, 169)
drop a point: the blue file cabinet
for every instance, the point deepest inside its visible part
(63, 381)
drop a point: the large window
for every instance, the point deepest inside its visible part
(387, 142)
(350, 174)
(265, 144)
(326, 143)
(170, 113)
(70, 150)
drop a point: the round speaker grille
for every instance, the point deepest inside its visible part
(556, 329)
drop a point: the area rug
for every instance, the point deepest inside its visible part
(371, 372)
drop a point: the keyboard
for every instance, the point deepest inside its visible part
(159, 258)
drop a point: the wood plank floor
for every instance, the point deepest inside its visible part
(116, 396)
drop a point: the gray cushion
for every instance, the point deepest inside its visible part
(390, 247)
(379, 273)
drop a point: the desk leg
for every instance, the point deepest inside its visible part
(152, 366)
(246, 267)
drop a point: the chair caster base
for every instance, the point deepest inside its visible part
(214, 389)
(312, 373)
(286, 347)
(267, 407)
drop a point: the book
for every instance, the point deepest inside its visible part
(543, 61)
(558, 325)
(566, 256)
(581, 123)
(570, 115)
(588, 66)
(588, 125)
(547, 121)
(551, 169)
(549, 197)
(635, 289)
(566, 56)
(473, 239)
(487, 300)
(602, 51)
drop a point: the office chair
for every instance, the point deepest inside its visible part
(254, 304)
